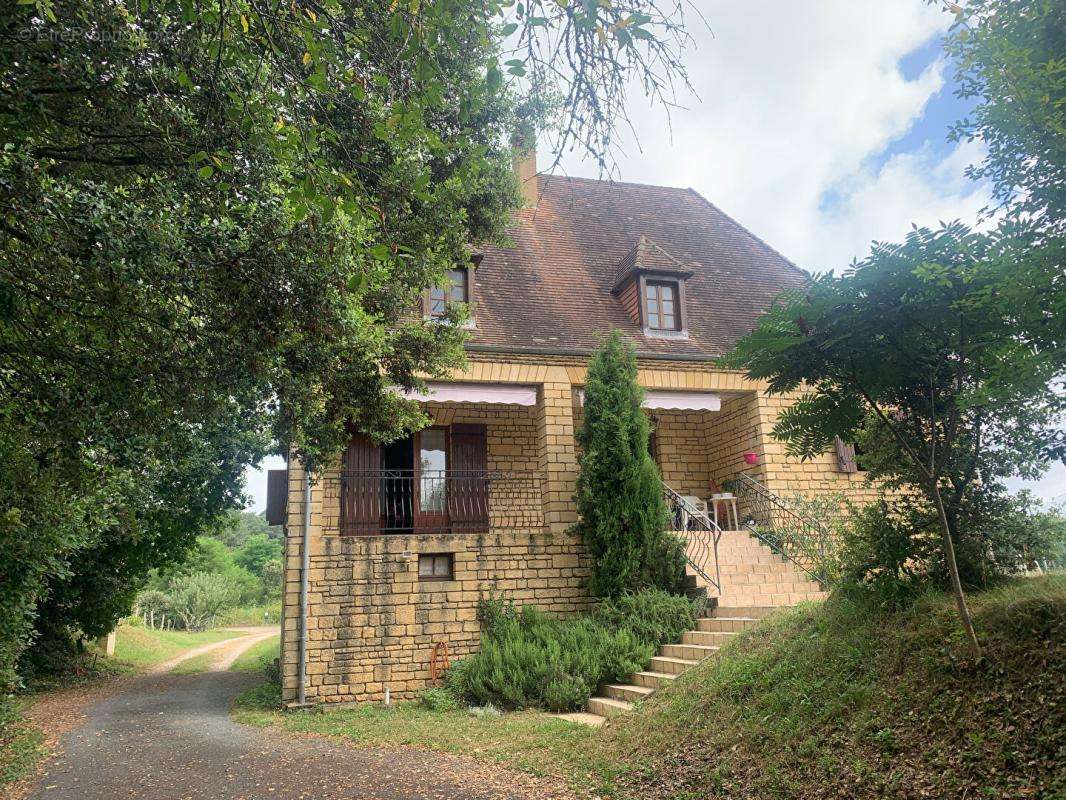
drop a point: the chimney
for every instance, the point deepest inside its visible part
(524, 160)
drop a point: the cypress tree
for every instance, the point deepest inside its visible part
(619, 489)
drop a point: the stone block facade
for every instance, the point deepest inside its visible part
(373, 624)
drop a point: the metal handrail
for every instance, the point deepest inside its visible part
(703, 544)
(798, 538)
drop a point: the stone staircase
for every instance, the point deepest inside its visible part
(754, 575)
(711, 634)
(755, 581)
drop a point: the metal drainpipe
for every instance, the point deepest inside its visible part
(305, 569)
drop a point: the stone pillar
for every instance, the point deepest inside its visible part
(557, 451)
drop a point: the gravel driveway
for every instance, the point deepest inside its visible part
(170, 737)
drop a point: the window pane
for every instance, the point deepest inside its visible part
(457, 282)
(432, 466)
(668, 322)
(668, 306)
(667, 293)
(651, 291)
(436, 301)
(653, 319)
(440, 567)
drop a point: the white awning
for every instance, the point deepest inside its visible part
(508, 394)
(682, 401)
(679, 401)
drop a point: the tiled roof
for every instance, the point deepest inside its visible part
(551, 289)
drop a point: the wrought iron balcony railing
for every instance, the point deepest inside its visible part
(701, 534)
(395, 501)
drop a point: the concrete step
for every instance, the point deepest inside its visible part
(711, 638)
(725, 624)
(607, 707)
(673, 666)
(725, 610)
(651, 679)
(778, 599)
(688, 652)
(629, 692)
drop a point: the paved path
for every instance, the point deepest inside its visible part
(170, 737)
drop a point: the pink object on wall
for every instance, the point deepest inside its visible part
(751, 458)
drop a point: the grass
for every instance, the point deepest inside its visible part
(268, 614)
(823, 701)
(530, 741)
(144, 647)
(21, 744)
(258, 656)
(837, 701)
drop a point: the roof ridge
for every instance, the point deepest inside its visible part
(612, 182)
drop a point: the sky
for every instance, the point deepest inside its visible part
(821, 126)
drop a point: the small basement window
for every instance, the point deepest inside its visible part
(455, 290)
(661, 308)
(436, 566)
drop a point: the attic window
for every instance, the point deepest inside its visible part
(661, 308)
(455, 290)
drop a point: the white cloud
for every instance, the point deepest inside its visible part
(880, 205)
(796, 99)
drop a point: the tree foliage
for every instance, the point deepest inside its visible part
(215, 221)
(943, 347)
(199, 598)
(1009, 61)
(619, 490)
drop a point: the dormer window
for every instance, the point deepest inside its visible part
(650, 285)
(661, 306)
(455, 290)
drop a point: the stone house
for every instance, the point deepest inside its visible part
(403, 539)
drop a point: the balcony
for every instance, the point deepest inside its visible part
(399, 501)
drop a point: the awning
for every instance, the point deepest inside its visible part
(678, 401)
(507, 394)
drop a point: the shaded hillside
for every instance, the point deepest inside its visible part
(835, 701)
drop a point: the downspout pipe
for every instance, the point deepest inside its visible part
(305, 571)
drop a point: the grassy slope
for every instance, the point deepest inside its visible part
(824, 701)
(256, 657)
(827, 701)
(144, 647)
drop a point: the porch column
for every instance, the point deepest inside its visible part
(556, 449)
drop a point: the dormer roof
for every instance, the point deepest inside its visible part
(647, 256)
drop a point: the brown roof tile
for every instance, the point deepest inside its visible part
(551, 290)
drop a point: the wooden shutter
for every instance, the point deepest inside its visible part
(361, 487)
(845, 455)
(277, 496)
(468, 486)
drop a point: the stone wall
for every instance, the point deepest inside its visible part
(374, 624)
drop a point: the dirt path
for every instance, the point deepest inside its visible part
(236, 646)
(170, 737)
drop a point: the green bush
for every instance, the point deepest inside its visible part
(655, 617)
(198, 599)
(892, 550)
(440, 698)
(529, 659)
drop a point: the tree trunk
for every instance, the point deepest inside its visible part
(953, 571)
